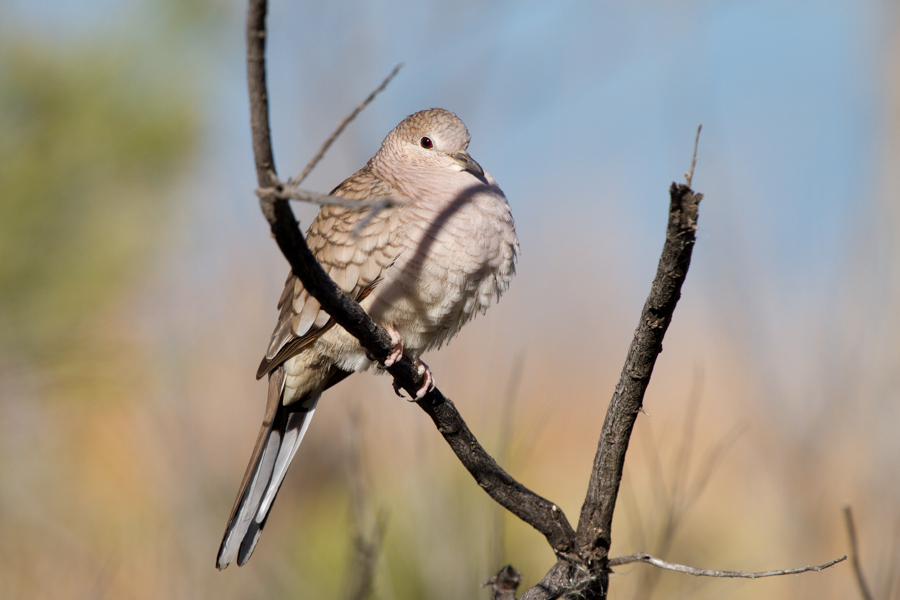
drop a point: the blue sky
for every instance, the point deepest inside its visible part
(584, 112)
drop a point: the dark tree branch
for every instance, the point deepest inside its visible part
(593, 536)
(656, 562)
(586, 573)
(854, 555)
(538, 512)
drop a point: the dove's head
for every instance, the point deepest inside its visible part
(434, 138)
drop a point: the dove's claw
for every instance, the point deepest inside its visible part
(397, 353)
(427, 380)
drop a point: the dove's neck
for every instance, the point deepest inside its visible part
(427, 184)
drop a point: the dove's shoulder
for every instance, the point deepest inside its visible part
(364, 185)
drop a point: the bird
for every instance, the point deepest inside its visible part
(440, 254)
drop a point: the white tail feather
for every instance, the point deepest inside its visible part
(281, 444)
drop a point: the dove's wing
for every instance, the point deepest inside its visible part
(355, 260)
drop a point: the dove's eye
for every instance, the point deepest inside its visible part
(427, 143)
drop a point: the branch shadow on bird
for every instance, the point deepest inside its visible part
(394, 291)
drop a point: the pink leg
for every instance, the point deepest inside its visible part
(397, 352)
(427, 379)
(427, 382)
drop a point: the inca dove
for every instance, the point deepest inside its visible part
(421, 269)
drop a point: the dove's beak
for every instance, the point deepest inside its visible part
(468, 163)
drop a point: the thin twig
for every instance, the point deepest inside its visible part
(656, 562)
(337, 132)
(291, 192)
(854, 555)
(689, 176)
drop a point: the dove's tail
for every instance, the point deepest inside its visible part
(279, 437)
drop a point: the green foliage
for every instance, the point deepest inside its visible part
(89, 144)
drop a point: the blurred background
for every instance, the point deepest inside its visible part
(138, 284)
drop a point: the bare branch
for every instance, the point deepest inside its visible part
(584, 573)
(593, 536)
(347, 313)
(656, 562)
(340, 129)
(854, 555)
(566, 579)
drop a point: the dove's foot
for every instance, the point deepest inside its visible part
(427, 382)
(427, 379)
(397, 353)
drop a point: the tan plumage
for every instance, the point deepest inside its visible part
(421, 269)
